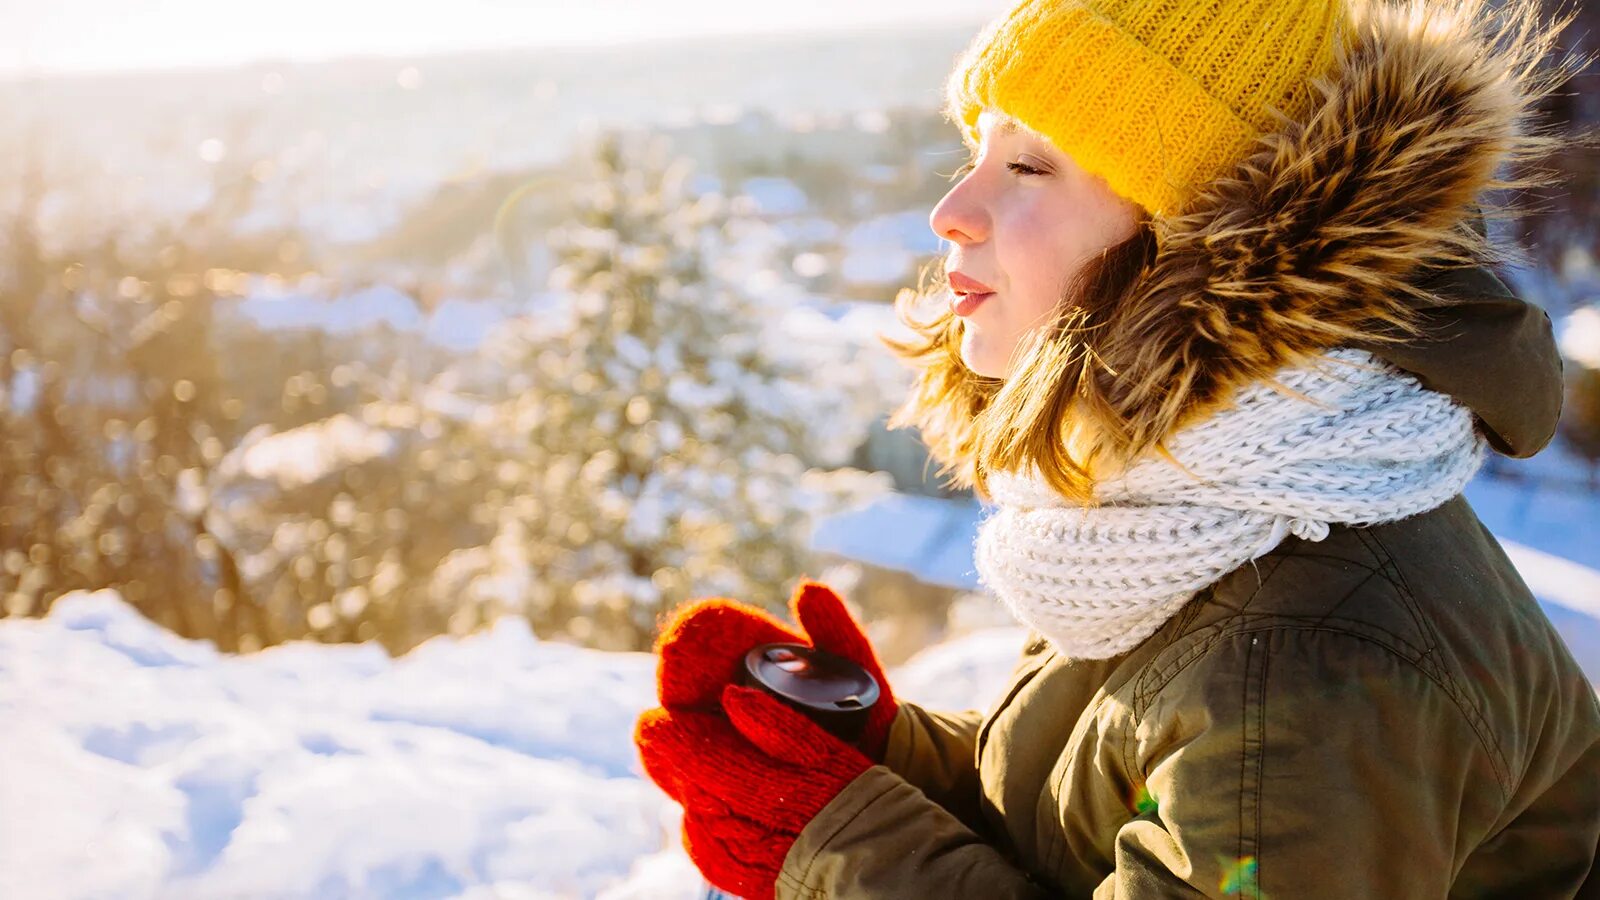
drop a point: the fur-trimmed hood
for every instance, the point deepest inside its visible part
(1357, 225)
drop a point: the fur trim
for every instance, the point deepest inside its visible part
(1317, 239)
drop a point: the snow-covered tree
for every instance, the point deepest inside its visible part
(661, 444)
(351, 527)
(109, 392)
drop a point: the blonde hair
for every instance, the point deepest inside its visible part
(974, 424)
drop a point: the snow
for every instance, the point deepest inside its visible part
(926, 536)
(775, 196)
(807, 231)
(463, 325)
(906, 230)
(349, 314)
(885, 249)
(968, 672)
(24, 390)
(1554, 516)
(139, 764)
(1562, 581)
(305, 454)
(1580, 337)
(879, 265)
(456, 324)
(811, 322)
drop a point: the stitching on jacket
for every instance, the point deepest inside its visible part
(1452, 687)
(1152, 680)
(1379, 568)
(1261, 766)
(1252, 731)
(1244, 742)
(1129, 747)
(1143, 690)
(789, 882)
(800, 890)
(1051, 859)
(1371, 574)
(1186, 616)
(1391, 574)
(1334, 557)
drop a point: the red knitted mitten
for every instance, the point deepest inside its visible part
(749, 782)
(702, 648)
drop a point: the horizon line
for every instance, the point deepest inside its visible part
(24, 74)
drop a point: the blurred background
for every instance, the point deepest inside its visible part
(363, 323)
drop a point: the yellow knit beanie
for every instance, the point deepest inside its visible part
(1157, 96)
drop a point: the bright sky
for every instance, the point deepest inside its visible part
(82, 35)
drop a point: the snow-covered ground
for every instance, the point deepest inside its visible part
(138, 764)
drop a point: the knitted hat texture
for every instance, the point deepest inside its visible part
(1157, 96)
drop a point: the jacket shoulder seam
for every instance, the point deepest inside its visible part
(1389, 570)
(1150, 680)
(1445, 677)
(1378, 564)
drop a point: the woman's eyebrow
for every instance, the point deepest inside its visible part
(1005, 127)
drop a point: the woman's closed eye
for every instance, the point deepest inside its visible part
(1020, 168)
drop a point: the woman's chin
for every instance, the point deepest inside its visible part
(978, 356)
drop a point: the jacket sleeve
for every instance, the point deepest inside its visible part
(937, 753)
(1307, 762)
(881, 837)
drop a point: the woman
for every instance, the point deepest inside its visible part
(1223, 348)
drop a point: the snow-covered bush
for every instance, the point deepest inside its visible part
(659, 448)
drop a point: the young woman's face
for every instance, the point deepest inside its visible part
(1021, 222)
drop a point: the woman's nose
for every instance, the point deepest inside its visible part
(959, 217)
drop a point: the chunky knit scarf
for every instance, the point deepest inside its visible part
(1372, 445)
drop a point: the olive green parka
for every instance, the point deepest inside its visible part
(1384, 713)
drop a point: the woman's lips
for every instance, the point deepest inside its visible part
(964, 304)
(968, 292)
(963, 283)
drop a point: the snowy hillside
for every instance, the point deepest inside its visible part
(138, 764)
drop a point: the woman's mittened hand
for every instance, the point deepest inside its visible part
(749, 771)
(702, 648)
(749, 782)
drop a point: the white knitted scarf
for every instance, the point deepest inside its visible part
(1375, 446)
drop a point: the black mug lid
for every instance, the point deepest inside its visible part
(812, 678)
